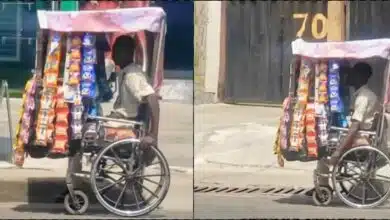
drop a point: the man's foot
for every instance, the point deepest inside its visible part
(115, 115)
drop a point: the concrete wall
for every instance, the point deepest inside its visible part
(206, 55)
(200, 33)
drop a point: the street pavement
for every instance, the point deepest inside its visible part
(30, 192)
(233, 148)
(208, 206)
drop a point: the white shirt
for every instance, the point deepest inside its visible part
(110, 67)
(365, 105)
(133, 87)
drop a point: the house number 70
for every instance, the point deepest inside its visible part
(315, 32)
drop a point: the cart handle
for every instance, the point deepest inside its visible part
(346, 130)
(115, 120)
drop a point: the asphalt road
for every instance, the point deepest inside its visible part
(47, 211)
(212, 206)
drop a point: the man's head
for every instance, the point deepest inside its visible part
(123, 50)
(359, 75)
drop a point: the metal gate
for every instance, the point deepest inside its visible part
(369, 20)
(258, 51)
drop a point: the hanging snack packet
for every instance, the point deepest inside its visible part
(89, 40)
(89, 56)
(334, 85)
(88, 76)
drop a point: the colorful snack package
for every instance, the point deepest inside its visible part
(74, 79)
(334, 85)
(89, 56)
(88, 89)
(74, 67)
(76, 41)
(51, 80)
(76, 131)
(89, 40)
(60, 145)
(311, 134)
(88, 76)
(75, 54)
(61, 130)
(62, 117)
(87, 68)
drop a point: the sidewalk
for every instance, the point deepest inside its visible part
(233, 146)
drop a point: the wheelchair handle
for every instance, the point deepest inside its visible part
(107, 119)
(346, 130)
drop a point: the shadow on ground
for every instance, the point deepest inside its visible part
(50, 191)
(95, 211)
(307, 200)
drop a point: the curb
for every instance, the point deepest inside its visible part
(182, 170)
(174, 169)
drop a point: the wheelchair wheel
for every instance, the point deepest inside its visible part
(79, 206)
(361, 177)
(124, 184)
(325, 197)
(345, 172)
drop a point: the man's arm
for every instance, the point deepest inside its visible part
(143, 91)
(360, 109)
(154, 107)
(352, 131)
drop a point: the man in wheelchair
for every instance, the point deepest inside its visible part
(364, 107)
(136, 99)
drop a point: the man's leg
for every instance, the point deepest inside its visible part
(322, 169)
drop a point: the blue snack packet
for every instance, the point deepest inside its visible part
(89, 40)
(93, 111)
(88, 76)
(87, 67)
(87, 90)
(334, 86)
(56, 37)
(89, 56)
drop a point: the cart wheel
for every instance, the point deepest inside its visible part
(79, 206)
(325, 198)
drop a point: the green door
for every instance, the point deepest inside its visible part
(69, 6)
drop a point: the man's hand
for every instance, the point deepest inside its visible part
(149, 155)
(346, 143)
(148, 141)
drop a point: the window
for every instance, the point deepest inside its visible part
(11, 27)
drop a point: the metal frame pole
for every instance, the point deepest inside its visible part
(5, 91)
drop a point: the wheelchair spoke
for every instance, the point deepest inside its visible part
(374, 188)
(382, 178)
(118, 160)
(135, 196)
(147, 189)
(112, 172)
(347, 178)
(353, 188)
(112, 184)
(149, 175)
(152, 181)
(364, 193)
(121, 195)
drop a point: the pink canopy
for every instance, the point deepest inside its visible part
(125, 20)
(359, 49)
